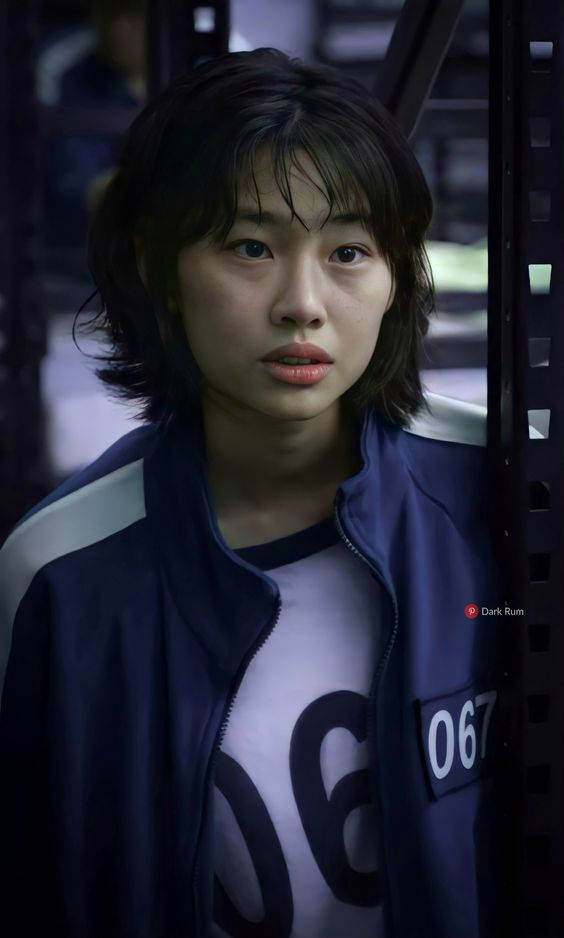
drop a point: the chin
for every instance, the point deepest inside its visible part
(306, 410)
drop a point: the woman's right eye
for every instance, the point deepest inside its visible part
(255, 249)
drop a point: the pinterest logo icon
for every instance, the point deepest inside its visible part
(471, 610)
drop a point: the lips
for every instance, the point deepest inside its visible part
(295, 350)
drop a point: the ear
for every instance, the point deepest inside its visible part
(140, 258)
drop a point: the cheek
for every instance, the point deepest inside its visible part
(360, 337)
(367, 334)
(196, 289)
(362, 321)
(215, 322)
(206, 286)
(373, 309)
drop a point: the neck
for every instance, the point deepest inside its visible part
(257, 461)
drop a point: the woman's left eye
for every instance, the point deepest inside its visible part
(349, 248)
(258, 246)
(252, 256)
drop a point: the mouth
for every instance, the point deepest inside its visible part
(301, 374)
(299, 354)
(297, 361)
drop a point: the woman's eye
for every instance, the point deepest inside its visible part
(255, 249)
(347, 252)
(252, 250)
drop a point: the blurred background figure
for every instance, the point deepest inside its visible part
(100, 69)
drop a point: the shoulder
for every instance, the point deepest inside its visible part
(450, 420)
(446, 454)
(454, 421)
(91, 505)
(103, 499)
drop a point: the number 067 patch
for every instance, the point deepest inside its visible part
(457, 736)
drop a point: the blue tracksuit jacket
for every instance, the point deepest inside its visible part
(126, 625)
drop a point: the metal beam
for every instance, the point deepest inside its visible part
(526, 227)
(419, 43)
(180, 34)
(24, 473)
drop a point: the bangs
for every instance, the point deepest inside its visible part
(356, 180)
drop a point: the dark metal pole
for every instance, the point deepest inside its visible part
(525, 355)
(419, 43)
(180, 34)
(24, 472)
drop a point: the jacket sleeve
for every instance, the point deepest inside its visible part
(26, 857)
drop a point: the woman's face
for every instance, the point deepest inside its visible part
(280, 283)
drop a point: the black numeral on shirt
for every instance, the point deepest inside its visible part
(323, 821)
(266, 853)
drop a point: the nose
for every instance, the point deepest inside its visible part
(300, 297)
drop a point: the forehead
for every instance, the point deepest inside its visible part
(300, 183)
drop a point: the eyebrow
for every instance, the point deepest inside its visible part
(272, 218)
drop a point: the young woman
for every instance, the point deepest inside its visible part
(247, 689)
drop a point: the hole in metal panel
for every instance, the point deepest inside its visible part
(539, 568)
(539, 352)
(541, 57)
(539, 420)
(539, 278)
(204, 19)
(539, 495)
(539, 204)
(540, 50)
(538, 706)
(539, 128)
(539, 637)
(538, 779)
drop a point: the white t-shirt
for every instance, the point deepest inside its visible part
(295, 832)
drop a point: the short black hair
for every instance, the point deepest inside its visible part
(177, 183)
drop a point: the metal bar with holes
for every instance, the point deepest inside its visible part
(525, 347)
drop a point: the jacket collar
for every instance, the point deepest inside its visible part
(238, 600)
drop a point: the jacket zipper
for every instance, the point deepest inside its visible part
(377, 674)
(231, 699)
(264, 636)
